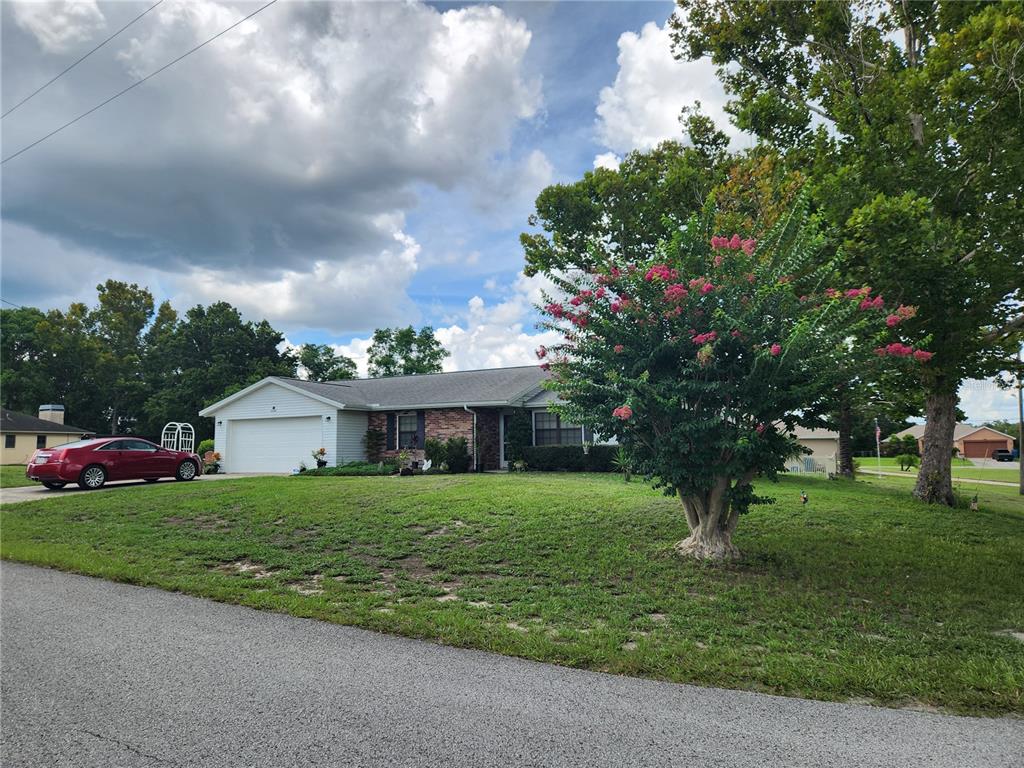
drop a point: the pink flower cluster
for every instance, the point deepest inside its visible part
(898, 349)
(734, 243)
(704, 338)
(619, 305)
(903, 312)
(661, 272)
(623, 412)
(856, 293)
(775, 349)
(618, 349)
(875, 303)
(542, 352)
(555, 310)
(676, 292)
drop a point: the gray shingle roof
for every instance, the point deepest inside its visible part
(492, 386)
(12, 421)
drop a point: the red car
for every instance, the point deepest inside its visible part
(90, 463)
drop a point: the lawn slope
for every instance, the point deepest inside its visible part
(862, 594)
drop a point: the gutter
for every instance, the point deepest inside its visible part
(476, 462)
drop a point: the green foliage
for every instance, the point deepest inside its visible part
(204, 446)
(914, 157)
(374, 443)
(907, 461)
(584, 557)
(403, 351)
(354, 469)
(457, 454)
(322, 364)
(569, 458)
(435, 451)
(518, 434)
(700, 359)
(621, 463)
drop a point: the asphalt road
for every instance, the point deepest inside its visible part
(102, 674)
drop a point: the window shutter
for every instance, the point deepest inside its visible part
(392, 433)
(421, 428)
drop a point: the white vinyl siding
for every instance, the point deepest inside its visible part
(272, 429)
(352, 426)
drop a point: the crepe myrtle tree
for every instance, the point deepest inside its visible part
(701, 360)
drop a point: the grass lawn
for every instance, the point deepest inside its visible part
(961, 469)
(862, 594)
(13, 476)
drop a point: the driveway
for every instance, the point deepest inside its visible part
(103, 674)
(36, 491)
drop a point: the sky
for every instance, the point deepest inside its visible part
(331, 167)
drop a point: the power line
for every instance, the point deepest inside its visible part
(57, 77)
(135, 84)
(5, 301)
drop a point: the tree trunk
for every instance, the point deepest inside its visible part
(845, 423)
(711, 521)
(934, 478)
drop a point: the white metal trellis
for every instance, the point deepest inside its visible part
(178, 436)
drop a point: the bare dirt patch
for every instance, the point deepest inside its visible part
(256, 570)
(312, 586)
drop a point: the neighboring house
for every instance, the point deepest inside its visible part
(276, 423)
(22, 434)
(824, 451)
(971, 442)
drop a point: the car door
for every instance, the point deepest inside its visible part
(111, 456)
(142, 459)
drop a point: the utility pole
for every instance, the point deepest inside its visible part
(1020, 420)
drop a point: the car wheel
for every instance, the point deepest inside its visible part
(52, 485)
(92, 478)
(151, 479)
(187, 470)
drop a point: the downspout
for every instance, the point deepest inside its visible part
(476, 461)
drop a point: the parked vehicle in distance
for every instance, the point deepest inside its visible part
(1002, 455)
(93, 462)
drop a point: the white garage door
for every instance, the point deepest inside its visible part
(272, 445)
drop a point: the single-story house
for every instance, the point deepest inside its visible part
(971, 442)
(22, 434)
(824, 447)
(276, 423)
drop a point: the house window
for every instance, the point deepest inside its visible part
(40, 441)
(549, 429)
(407, 429)
(9, 440)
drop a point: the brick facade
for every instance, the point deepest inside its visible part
(444, 423)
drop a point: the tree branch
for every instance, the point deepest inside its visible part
(1006, 330)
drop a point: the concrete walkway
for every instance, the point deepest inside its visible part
(102, 674)
(37, 491)
(956, 479)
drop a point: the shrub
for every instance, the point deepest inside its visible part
(457, 454)
(204, 447)
(570, 458)
(354, 469)
(435, 451)
(519, 434)
(373, 441)
(906, 461)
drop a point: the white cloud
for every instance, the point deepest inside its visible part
(485, 336)
(58, 25)
(641, 108)
(275, 166)
(608, 160)
(983, 401)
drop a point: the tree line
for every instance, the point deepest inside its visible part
(126, 365)
(904, 129)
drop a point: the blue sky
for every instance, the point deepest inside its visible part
(331, 167)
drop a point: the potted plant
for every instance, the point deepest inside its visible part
(320, 457)
(404, 462)
(211, 463)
